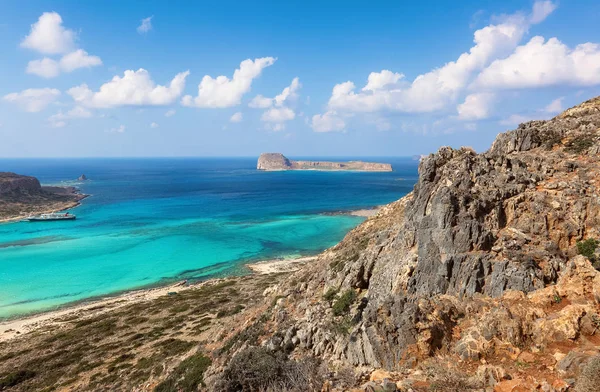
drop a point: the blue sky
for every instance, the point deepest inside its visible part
(314, 79)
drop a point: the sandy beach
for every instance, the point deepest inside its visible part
(12, 328)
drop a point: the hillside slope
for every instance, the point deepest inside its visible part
(446, 271)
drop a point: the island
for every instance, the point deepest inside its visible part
(277, 162)
(21, 196)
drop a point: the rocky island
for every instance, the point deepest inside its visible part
(277, 162)
(21, 196)
(484, 278)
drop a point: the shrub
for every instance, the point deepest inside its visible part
(12, 379)
(587, 248)
(342, 305)
(258, 369)
(330, 294)
(580, 144)
(187, 376)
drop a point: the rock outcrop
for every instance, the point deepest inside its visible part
(477, 263)
(82, 177)
(278, 162)
(21, 196)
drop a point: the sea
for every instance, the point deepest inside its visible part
(151, 222)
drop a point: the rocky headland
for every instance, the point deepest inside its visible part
(278, 162)
(484, 278)
(21, 196)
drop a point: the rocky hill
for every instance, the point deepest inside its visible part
(21, 196)
(277, 161)
(476, 266)
(484, 278)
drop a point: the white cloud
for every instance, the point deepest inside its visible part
(328, 122)
(119, 129)
(236, 118)
(476, 106)
(60, 119)
(289, 92)
(260, 102)
(46, 68)
(278, 115)
(154, 125)
(170, 113)
(135, 88)
(555, 106)
(379, 80)
(48, 35)
(278, 112)
(78, 59)
(49, 68)
(541, 10)
(438, 89)
(146, 25)
(540, 64)
(33, 100)
(517, 119)
(222, 92)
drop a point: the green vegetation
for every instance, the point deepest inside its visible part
(330, 294)
(550, 139)
(187, 376)
(258, 369)
(587, 248)
(12, 379)
(580, 144)
(343, 326)
(342, 304)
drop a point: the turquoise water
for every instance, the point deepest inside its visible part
(155, 221)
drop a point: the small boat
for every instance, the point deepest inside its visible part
(53, 216)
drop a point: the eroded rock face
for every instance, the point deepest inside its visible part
(15, 183)
(477, 262)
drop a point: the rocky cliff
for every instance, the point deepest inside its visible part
(477, 263)
(21, 196)
(277, 161)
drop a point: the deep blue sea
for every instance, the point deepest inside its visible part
(155, 221)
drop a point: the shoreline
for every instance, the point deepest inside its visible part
(66, 206)
(21, 325)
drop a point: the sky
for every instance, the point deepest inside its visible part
(305, 78)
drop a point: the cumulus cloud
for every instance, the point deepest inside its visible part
(380, 80)
(119, 129)
(438, 89)
(46, 68)
(222, 92)
(539, 64)
(260, 102)
(34, 100)
(236, 118)
(135, 88)
(328, 122)
(476, 106)
(49, 36)
(278, 115)
(541, 10)
(146, 25)
(154, 125)
(278, 112)
(170, 113)
(49, 68)
(555, 106)
(60, 119)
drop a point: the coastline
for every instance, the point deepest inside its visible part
(21, 325)
(67, 205)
